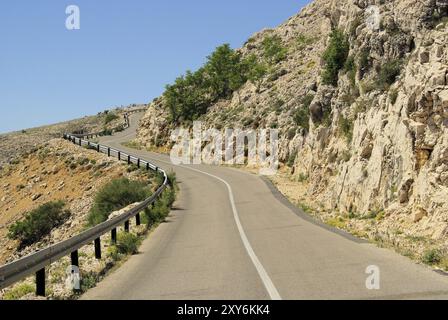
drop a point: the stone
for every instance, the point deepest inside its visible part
(36, 196)
(419, 214)
(424, 57)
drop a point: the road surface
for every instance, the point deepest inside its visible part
(232, 236)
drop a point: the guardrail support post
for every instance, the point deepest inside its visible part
(108, 152)
(98, 248)
(40, 283)
(113, 236)
(137, 219)
(119, 156)
(129, 159)
(98, 147)
(138, 162)
(80, 142)
(147, 166)
(74, 258)
(126, 226)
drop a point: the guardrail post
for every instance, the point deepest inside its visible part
(80, 142)
(98, 248)
(98, 147)
(108, 152)
(119, 156)
(74, 258)
(137, 219)
(138, 162)
(113, 235)
(129, 159)
(40, 283)
(126, 226)
(147, 166)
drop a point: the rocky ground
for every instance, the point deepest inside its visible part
(374, 158)
(13, 144)
(57, 170)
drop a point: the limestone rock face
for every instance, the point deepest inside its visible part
(396, 158)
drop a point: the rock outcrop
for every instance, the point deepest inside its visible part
(371, 146)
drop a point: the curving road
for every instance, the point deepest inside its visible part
(233, 236)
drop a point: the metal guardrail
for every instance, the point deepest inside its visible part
(36, 262)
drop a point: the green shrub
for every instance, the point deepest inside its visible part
(388, 74)
(161, 207)
(110, 116)
(39, 223)
(432, 256)
(302, 118)
(346, 128)
(303, 41)
(127, 243)
(350, 69)
(302, 115)
(19, 292)
(107, 132)
(335, 57)
(116, 195)
(273, 50)
(393, 96)
(291, 159)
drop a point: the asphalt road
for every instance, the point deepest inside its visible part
(232, 236)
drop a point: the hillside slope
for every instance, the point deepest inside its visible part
(366, 138)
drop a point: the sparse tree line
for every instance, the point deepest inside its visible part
(225, 71)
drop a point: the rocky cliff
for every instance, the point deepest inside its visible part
(375, 142)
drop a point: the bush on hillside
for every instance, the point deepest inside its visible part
(39, 223)
(110, 116)
(388, 74)
(335, 57)
(127, 243)
(116, 195)
(273, 50)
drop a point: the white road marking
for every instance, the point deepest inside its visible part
(267, 282)
(269, 285)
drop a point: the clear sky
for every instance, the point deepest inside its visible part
(125, 52)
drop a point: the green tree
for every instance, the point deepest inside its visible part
(224, 71)
(255, 70)
(335, 57)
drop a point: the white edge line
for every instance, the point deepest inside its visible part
(269, 285)
(267, 282)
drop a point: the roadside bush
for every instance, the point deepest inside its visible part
(335, 57)
(39, 223)
(127, 243)
(116, 195)
(162, 206)
(432, 256)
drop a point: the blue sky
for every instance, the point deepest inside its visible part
(126, 51)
